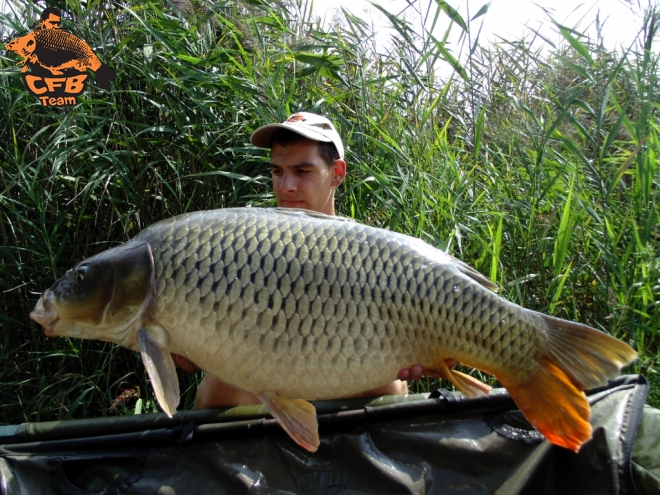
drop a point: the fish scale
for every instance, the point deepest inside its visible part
(306, 268)
(294, 305)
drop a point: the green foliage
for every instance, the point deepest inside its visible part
(536, 166)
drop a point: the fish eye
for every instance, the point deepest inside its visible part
(81, 273)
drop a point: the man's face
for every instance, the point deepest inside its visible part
(52, 22)
(301, 179)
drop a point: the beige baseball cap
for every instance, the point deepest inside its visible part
(306, 124)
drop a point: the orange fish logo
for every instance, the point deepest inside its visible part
(51, 51)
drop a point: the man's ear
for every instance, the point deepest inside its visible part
(338, 172)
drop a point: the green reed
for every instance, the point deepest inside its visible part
(536, 164)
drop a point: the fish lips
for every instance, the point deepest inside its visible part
(45, 313)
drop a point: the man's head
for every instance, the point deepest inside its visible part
(51, 18)
(307, 161)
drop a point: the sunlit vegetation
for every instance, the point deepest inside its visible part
(536, 164)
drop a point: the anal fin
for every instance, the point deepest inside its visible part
(161, 370)
(296, 416)
(467, 385)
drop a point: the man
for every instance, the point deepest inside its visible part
(50, 18)
(307, 165)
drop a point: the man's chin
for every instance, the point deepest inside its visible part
(293, 204)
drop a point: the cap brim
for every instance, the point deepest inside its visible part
(263, 137)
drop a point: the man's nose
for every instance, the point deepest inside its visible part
(288, 182)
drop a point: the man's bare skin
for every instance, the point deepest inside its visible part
(413, 373)
(213, 393)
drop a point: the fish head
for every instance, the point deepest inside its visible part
(102, 297)
(23, 46)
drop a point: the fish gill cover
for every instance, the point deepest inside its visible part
(58, 62)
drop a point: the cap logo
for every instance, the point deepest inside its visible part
(296, 117)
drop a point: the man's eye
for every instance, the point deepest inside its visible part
(275, 171)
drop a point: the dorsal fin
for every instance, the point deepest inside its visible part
(438, 256)
(466, 269)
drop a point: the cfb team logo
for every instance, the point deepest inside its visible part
(58, 62)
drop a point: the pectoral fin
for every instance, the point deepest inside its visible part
(162, 372)
(296, 416)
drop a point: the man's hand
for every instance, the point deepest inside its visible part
(214, 393)
(413, 373)
(184, 363)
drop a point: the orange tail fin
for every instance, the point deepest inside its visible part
(577, 357)
(554, 406)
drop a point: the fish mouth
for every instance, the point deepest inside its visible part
(49, 329)
(49, 323)
(45, 313)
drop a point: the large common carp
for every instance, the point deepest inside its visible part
(294, 305)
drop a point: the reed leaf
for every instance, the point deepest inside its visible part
(536, 164)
